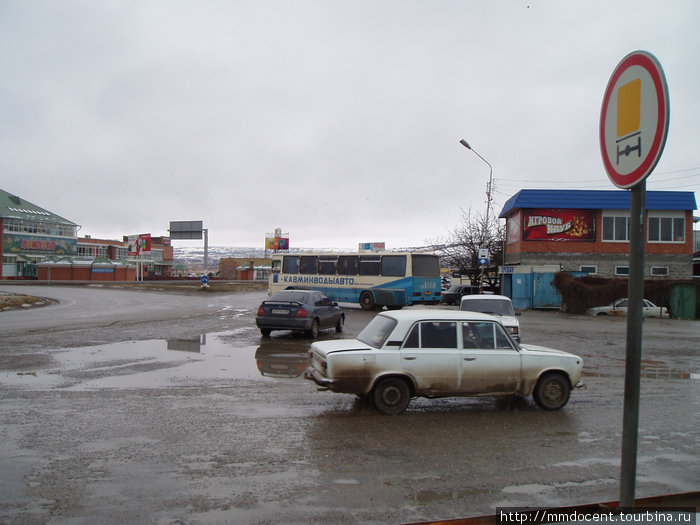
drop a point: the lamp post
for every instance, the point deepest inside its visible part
(488, 204)
(488, 188)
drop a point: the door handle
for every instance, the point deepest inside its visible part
(470, 358)
(409, 357)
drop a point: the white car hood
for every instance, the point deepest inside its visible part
(507, 320)
(543, 350)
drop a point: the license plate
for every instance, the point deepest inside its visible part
(279, 311)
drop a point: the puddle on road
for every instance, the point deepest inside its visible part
(651, 370)
(210, 358)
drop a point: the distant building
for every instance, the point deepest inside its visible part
(30, 234)
(244, 269)
(38, 244)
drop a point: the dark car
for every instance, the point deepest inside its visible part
(299, 310)
(453, 295)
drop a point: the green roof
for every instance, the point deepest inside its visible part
(14, 207)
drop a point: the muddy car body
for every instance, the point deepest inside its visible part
(444, 353)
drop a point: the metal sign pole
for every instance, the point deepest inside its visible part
(206, 249)
(633, 363)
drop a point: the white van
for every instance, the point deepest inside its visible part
(497, 305)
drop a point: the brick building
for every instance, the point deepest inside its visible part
(244, 268)
(588, 231)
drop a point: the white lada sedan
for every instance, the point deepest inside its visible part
(441, 353)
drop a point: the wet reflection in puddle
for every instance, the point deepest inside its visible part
(650, 370)
(207, 359)
(187, 345)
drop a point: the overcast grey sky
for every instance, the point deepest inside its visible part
(338, 122)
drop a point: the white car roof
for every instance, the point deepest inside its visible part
(488, 297)
(433, 314)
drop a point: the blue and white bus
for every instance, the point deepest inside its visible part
(391, 279)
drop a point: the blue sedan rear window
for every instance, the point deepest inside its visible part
(293, 296)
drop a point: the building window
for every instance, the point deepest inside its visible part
(622, 270)
(589, 269)
(666, 229)
(659, 271)
(616, 228)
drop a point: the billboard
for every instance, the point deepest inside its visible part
(186, 229)
(139, 244)
(559, 225)
(371, 246)
(277, 243)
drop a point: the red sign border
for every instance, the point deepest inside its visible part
(651, 64)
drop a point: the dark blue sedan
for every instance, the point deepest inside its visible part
(305, 311)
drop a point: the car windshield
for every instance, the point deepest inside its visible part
(377, 331)
(454, 289)
(292, 296)
(489, 306)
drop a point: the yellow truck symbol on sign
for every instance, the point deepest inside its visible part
(629, 111)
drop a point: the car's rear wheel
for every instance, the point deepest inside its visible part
(339, 325)
(265, 332)
(367, 301)
(313, 331)
(552, 391)
(391, 396)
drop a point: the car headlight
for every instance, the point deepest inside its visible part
(513, 330)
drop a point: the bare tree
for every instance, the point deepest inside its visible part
(461, 250)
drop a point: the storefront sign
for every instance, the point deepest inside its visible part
(103, 269)
(558, 225)
(19, 244)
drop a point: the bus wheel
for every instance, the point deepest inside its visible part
(367, 301)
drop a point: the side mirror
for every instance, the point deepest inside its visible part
(518, 313)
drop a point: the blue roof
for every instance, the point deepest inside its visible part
(596, 200)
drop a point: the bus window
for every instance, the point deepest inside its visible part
(276, 265)
(327, 264)
(394, 265)
(347, 265)
(370, 264)
(426, 266)
(308, 265)
(291, 264)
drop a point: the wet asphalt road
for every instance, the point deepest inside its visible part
(123, 406)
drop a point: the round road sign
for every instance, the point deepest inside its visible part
(634, 119)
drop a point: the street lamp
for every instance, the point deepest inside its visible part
(488, 188)
(488, 203)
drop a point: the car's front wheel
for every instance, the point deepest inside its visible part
(391, 396)
(340, 323)
(552, 391)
